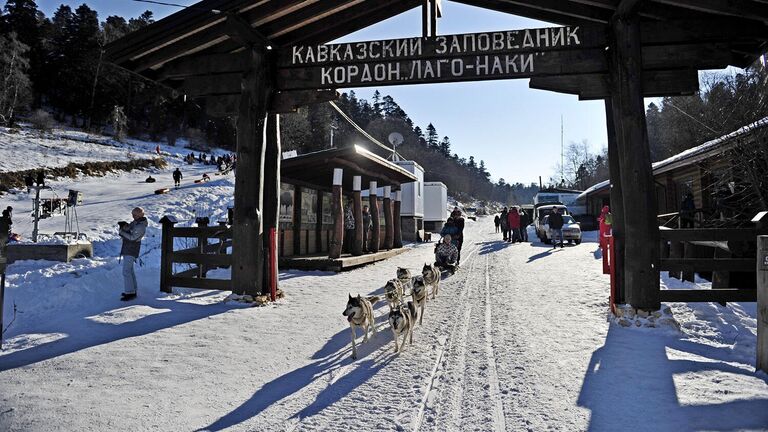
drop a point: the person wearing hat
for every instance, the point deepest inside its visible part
(131, 233)
(556, 223)
(5, 226)
(458, 238)
(446, 255)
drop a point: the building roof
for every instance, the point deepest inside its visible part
(690, 156)
(711, 34)
(316, 169)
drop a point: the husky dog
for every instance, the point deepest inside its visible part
(402, 319)
(394, 293)
(431, 276)
(419, 294)
(359, 313)
(404, 276)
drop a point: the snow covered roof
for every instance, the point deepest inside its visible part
(689, 156)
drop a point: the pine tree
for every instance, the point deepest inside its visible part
(445, 146)
(432, 140)
(377, 102)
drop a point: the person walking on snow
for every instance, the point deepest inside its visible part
(513, 221)
(177, 178)
(496, 223)
(525, 220)
(503, 222)
(556, 228)
(458, 238)
(131, 234)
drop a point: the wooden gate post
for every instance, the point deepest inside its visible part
(357, 209)
(337, 209)
(166, 249)
(202, 242)
(389, 232)
(397, 241)
(641, 239)
(247, 229)
(617, 205)
(762, 303)
(373, 201)
(272, 158)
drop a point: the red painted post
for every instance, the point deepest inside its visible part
(612, 253)
(273, 263)
(604, 247)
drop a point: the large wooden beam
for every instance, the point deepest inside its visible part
(247, 229)
(762, 303)
(617, 203)
(638, 188)
(597, 86)
(755, 10)
(337, 209)
(373, 202)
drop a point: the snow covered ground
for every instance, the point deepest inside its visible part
(518, 339)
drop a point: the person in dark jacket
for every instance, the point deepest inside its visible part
(366, 227)
(446, 255)
(556, 227)
(525, 220)
(41, 178)
(131, 233)
(687, 210)
(29, 182)
(496, 222)
(5, 227)
(504, 224)
(458, 238)
(177, 177)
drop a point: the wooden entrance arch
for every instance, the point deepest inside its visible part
(257, 58)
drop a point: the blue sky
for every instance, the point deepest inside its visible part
(514, 129)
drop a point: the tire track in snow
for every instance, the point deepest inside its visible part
(437, 378)
(497, 406)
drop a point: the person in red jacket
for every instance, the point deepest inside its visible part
(513, 221)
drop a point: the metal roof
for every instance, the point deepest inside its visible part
(316, 169)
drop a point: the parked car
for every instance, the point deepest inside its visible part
(540, 212)
(571, 230)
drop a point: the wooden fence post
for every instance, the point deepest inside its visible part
(688, 252)
(389, 232)
(357, 210)
(337, 208)
(272, 161)
(675, 251)
(374, 205)
(762, 303)
(166, 249)
(397, 241)
(202, 242)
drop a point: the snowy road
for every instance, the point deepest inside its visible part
(516, 340)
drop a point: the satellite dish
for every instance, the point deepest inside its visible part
(395, 138)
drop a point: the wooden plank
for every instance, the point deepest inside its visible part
(709, 295)
(219, 260)
(213, 85)
(762, 303)
(708, 264)
(711, 234)
(737, 8)
(596, 86)
(205, 64)
(241, 31)
(211, 232)
(290, 101)
(192, 272)
(201, 283)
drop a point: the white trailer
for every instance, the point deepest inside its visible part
(435, 206)
(412, 203)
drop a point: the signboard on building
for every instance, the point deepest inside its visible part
(462, 57)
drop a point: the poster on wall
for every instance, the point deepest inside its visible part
(327, 211)
(286, 202)
(308, 206)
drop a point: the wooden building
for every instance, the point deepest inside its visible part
(695, 171)
(307, 220)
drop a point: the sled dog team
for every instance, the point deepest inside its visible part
(402, 314)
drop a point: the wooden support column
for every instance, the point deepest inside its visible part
(297, 220)
(762, 303)
(202, 242)
(247, 229)
(397, 242)
(337, 209)
(166, 249)
(675, 252)
(641, 240)
(357, 210)
(273, 156)
(389, 231)
(373, 203)
(617, 203)
(688, 252)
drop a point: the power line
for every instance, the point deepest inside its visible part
(216, 11)
(691, 117)
(358, 128)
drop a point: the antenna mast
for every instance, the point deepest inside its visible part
(562, 157)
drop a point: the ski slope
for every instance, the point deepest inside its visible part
(518, 339)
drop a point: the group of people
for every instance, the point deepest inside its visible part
(513, 222)
(38, 180)
(221, 162)
(448, 251)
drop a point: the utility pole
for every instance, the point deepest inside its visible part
(562, 154)
(333, 127)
